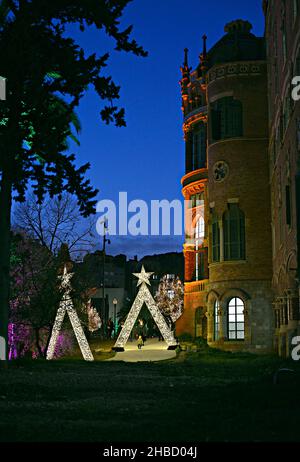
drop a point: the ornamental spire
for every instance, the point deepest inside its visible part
(186, 51)
(203, 55)
(185, 71)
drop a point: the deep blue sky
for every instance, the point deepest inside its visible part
(146, 159)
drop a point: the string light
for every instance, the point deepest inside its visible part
(144, 296)
(66, 306)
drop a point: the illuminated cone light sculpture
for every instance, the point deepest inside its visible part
(144, 296)
(66, 305)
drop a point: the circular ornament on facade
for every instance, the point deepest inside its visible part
(255, 68)
(231, 69)
(244, 68)
(220, 171)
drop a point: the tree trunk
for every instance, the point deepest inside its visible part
(5, 238)
(37, 342)
(48, 341)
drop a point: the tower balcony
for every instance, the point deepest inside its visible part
(195, 286)
(195, 115)
(193, 182)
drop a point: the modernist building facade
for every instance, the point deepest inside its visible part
(283, 52)
(228, 250)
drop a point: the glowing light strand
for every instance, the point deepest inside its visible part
(144, 296)
(66, 306)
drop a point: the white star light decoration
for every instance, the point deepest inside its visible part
(144, 296)
(143, 276)
(66, 305)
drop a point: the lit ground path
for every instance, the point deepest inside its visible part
(153, 350)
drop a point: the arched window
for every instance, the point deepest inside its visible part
(200, 231)
(226, 118)
(234, 233)
(215, 238)
(236, 319)
(216, 320)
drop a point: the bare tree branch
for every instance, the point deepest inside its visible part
(55, 222)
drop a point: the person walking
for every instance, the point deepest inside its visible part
(110, 328)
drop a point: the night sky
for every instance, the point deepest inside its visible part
(146, 159)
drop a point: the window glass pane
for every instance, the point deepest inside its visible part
(200, 229)
(199, 147)
(236, 324)
(234, 233)
(215, 239)
(226, 118)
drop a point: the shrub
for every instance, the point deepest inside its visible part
(186, 337)
(201, 343)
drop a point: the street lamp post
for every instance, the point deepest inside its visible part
(103, 269)
(115, 302)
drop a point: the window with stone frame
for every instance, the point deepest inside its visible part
(200, 265)
(199, 255)
(197, 200)
(234, 233)
(236, 319)
(288, 207)
(199, 144)
(215, 231)
(216, 320)
(200, 230)
(226, 118)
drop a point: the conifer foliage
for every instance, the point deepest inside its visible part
(47, 72)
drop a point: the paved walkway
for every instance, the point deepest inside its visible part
(153, 350)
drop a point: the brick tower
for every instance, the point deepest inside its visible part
(228, 252)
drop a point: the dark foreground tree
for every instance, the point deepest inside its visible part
(47, 74)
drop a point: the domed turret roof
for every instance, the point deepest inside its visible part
(239, 44)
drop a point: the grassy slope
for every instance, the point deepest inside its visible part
(198, 397)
